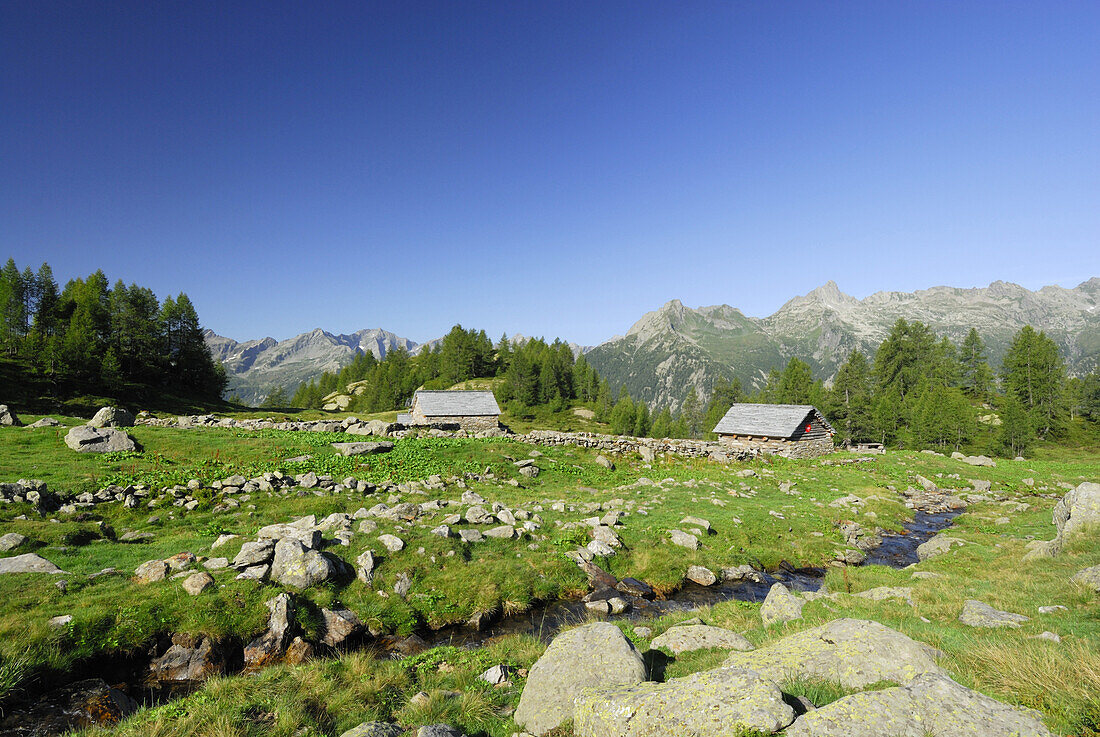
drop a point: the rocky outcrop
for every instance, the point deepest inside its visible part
(188, 661)
(27, 563)
(931, 704)
(853, 652)
(938, 545)
(8, 418)
(112, 417)
(272, 645)
(593, 656)
(1089, 577)
(721, 701)
(85, 439)
(299, 567)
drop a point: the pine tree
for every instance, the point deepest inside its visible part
(1016, 432)
(691, 414)
(852, 400)
(1035, 375)
(977, 377)
(641, 420)
(623, 415)
(662, 424)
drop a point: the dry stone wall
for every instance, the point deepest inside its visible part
(777, 446)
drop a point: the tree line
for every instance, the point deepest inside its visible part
(533, 373)
(90, 337)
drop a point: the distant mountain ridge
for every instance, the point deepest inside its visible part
(256, 367)
(675, 347)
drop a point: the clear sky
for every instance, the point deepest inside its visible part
(551, 168)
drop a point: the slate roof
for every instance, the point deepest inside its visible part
(767, 420)
(456, 403)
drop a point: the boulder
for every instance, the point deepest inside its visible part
(938, 545)
(375, 729)
(392, 543)
(854, 652)
(299, 567)
(340, 626)
(11, 541)
(780, 606)
(27, 563)
(603, 461)
(702, 576)
(112, 417)
(360, 449)
(931, 704)
(596, 655)
(686, 638)
(44, 422)
(1077, 509)
(439, 730)
(1089, 577)
(254, 554)
(715, 702)
(684, 539)
(85, 439)
(151, 570)
(979, 614)
(364, 567)
(8, 417)
(196, 583)
(272, 644)
(309, 537)
(188, 661)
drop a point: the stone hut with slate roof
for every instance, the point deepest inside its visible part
(791, 430)
(473, 411)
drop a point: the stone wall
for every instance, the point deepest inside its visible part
(809, 448)
(466, 422)
(628, 444)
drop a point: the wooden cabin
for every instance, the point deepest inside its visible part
(792, 430)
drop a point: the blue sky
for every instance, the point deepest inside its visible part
(554, 168)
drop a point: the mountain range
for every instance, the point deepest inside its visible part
(675, 347)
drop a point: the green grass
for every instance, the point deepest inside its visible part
(452, 581)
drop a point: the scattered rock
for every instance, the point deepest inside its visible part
(364, 567)
(392, 543)
(780, 606)
(702, 576)
(359, 449)
(979, 614)
(854, 652)
(151, 570)
(938, 545)
(602, 461)
(684, 539)
(254, 553)
(85, 439)
(341, 625)
(27, 563)
(375, 729)
(721, 701)
(1088, 577)
(12, 540)
(272, 644)
(593, 656)
(496, 675)
(683, 639)
(439, 730)
(44, 422)
(931, 704)
(112, 417)
(8, 417)
(189, 661)
(196, 583)
(297, 566)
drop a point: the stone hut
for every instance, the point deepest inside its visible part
(791, 430)
(473, 411)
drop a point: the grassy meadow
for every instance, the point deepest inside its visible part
(752, 520)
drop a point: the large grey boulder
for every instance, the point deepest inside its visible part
(85, 439)
(44, 422)
(938, 545)
(1089, 577)
(715, 702)
(254, 553)
(1072, 514)
(780, 606)
(27, 563)
(854, 652)
(273, 643)
(297, 566)
(686, 638)
(360, 449)
(8, 417)
(979, 614)
(593, 656)
(112, 417)
(930, 704)
(310, 537)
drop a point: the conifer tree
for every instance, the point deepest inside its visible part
(977, 376)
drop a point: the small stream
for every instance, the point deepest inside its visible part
(46, 715)
(898, 550)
